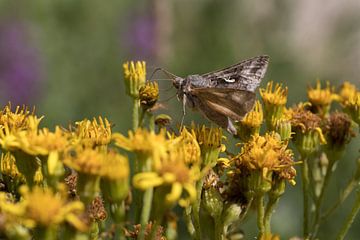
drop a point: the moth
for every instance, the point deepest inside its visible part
(225, 95)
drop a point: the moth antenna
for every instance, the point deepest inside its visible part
(169, 74)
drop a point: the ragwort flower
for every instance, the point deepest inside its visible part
(274, 101)
(92, 133)
(135, 77)
(145, 144)
(347, 91)
(321, 99)
(251, 123)
(268, 155)
(352, 107)
(43, 209)
(148, 95)
(210, 142)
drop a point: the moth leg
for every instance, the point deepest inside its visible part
(230, 127)
(183, 110)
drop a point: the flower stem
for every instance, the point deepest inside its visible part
(305, 187)
(268, 212)
(343, 196)
(219, 229)
(196, 209)
(320, 199)
(260, 214)
(135, 116)
(145, 212)
(350, 219)
(188, 221)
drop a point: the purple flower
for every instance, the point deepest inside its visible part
(19, 64)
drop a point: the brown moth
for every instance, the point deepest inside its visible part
(225, 95)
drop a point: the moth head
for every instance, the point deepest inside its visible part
(178, 82)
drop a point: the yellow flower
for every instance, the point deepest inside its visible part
(278, 96)
(135, 77)
(175, 177)
(210, 142)
(320, 98)
(267, 154)
(352, 107)
(251, 123)
(93, 133)
(44, 208)
(347, 91)
(8, 167)
(146, 144)
(21, 119)
(274, 102)
(149, 94)
(186, 146)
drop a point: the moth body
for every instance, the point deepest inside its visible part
(225, 95)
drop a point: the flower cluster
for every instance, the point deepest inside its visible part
(87, 181)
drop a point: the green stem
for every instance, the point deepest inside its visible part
(188, 222)
(350, 219)
(268, 213)
(219, 229)
(196, 209)
(260, 215)
(343, 196)
(135, 116)
(145, 212)
(305, 187)
(320, 199)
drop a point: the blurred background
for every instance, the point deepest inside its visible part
(65, 57)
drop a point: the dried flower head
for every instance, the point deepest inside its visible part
(96, 211)
(338, 131)
(135, 77)
(133, 234)
(307, 128)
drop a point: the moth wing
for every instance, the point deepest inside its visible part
(230, 103)
(245, 75)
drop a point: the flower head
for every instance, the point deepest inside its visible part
(149, 94)
(175, 177)
(347, 91)
(20, 119)
(146, 144)
(321, 98)
(44, 208)
(274, 102)
(93, 133)
(135, 77)
(307, 128)
(267, 154)
(352, 107)
(338, 131)
(251, 123)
